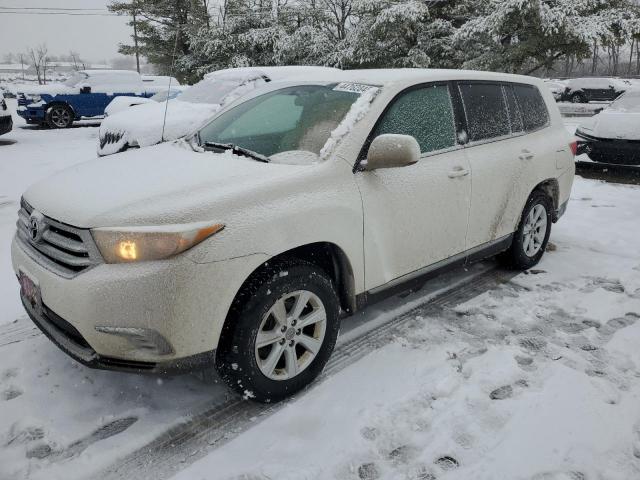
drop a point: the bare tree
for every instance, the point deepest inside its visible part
(39, 59)
(75, 59)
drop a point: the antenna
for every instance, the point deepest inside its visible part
(173, 64)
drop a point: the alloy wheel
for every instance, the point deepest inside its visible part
(290, 335)
(60, 117)
(535, 230)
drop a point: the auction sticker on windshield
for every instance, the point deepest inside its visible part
(352, 87)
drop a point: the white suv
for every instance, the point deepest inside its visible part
(243, 245)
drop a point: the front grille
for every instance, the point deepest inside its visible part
(61, 248)
(110, 138)
(22, 100)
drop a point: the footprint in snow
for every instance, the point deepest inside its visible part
(501, 393)
(368, 471)
(534, 344)
(610, 285)
(11, 393)
(447, 463)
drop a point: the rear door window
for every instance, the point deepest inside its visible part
(485, 109)
(534, 110)
(426, 114)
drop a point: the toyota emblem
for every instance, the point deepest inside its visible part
(35, 227)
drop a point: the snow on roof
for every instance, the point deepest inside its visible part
(414, 75)
(290, 72)
(109, 72)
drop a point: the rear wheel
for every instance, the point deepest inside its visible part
(532, 236)
(280, 332)
(60, 116)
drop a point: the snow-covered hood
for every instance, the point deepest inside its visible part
(142, 126)
(123, 102)
(613, 124)
(164, 184)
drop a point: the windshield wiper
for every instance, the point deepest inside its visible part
(245, 152)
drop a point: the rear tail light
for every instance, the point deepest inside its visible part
(574, 147)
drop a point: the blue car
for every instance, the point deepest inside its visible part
(85, 95)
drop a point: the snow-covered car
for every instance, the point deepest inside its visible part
(584, 90)
(6, 122)
(159, 83)
(83, 95)
(124, 102)
(557, 88)
(613, 135)
(154, 123)
(244, 244)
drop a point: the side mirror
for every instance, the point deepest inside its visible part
(391, 150)
(85, 89)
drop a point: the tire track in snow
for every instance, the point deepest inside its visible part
(21, 329)
(189, 441)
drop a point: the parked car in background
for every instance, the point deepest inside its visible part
(85, 94)
(147, 124)
(8, 91)
(557, 88)
(123, 102)
(244, 245)
(583, 90)
(6, 122)
(613, 135)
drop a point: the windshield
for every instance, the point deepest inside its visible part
(76, 78)
(164, 95)
(293, 118)
(629, 102)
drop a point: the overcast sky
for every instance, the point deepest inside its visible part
(95, 38)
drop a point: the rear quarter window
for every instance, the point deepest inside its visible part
(532, 107)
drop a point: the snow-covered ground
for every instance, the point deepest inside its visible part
(537, 378)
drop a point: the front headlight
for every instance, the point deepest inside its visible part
(34, 98)
(140, 244)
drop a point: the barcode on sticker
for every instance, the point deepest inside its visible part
(352, 87)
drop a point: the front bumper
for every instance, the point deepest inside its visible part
(31, 114)
(608, 150)
(69, 340)
(6, 124)
(185, 302)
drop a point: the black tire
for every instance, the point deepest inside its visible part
(60, 116)
(578, 98)
(237, 357)
(516, 257)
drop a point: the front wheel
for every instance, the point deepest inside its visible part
(532, 236)
(280, 331)
(578, 98)
(60, 116)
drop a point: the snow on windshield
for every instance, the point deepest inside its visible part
(75, 79)
(629, 102)
(298, 118)
(212, 90)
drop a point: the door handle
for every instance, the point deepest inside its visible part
(458, 172)
(526, 155)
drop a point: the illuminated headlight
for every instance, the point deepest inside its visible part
(141, 244)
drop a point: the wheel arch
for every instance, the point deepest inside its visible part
(328, 256)
(551, 187)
